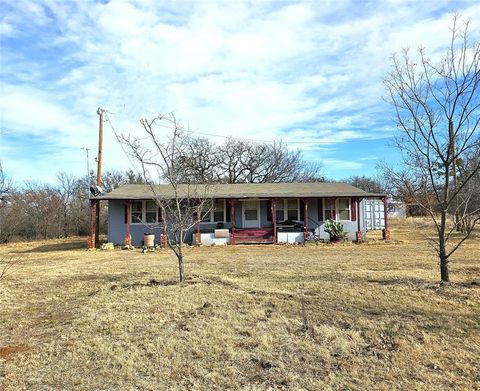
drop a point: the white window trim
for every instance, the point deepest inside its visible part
(337, 212)
(284, 201)
(212, 214)
(144, 213)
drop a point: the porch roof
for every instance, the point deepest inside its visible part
(238, 191)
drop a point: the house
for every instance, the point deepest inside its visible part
(244, 213)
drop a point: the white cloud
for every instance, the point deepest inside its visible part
(302, 71)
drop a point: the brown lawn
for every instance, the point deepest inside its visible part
(343, 317)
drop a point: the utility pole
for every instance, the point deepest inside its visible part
(100, 113)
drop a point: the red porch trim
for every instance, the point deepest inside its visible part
(91, 239)
(232, 212)
(386, 231)
(274, 218)
(358, 214)
(307, 232)
(128, 237)
(354, 202)
(359, 234)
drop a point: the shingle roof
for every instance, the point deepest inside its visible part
(239, 190)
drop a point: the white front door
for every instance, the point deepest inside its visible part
(251, 214)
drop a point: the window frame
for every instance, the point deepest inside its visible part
(132, 222)
(337, 211)
(144, 213)
(284, 209)
(212, 213)
(349, 202)
(224, 211)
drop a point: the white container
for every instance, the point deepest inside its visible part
(149, 240)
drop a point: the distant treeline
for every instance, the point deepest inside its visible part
(43, 211)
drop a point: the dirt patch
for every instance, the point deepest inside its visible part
(150, 283)
(409, 282)
(7, 351)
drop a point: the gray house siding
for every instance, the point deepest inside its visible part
(350, 227)
(117, 226)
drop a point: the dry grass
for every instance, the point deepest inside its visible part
(341, 317)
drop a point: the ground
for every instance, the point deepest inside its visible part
(326, 317)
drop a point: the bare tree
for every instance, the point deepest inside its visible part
(162, 158)
(437, 106)
(66, 190)
(370, 185)
(231, 157)
(199, 161)
(241, 161)
(6, 186)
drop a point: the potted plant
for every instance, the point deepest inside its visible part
(335, 230)
(149, 239)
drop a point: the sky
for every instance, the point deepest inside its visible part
(309, 73)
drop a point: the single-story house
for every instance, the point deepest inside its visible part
(243, 213)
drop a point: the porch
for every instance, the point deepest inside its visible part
(249, 213)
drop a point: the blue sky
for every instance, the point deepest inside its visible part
(307, 72)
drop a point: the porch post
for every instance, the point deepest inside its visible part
(232, 213)
(198, 236)
(274, 218)
(386, 231)
(128, 237)
(163, 240)
(307, 232)
(359, 230)
(332, 207)
(91, 239)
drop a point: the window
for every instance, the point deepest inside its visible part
(288, 209)
(219, 211)
(145, 212)
(344, 208)
(213, 212)
(292, 210)
(280, 211)
(327, 202)
(341, 209)
(137, 212)
(150, 212)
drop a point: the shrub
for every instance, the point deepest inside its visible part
(335, 230)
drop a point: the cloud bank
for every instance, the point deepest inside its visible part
(308, 72)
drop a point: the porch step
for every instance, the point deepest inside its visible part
(252, 236)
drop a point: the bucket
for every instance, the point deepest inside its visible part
(149, 240)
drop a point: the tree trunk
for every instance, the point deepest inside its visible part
(442, 251)
(444, 268)
(181, 267)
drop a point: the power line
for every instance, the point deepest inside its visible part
(254, 140)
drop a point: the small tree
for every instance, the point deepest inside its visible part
(161, 156)
(66, 190)
(437, 106)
